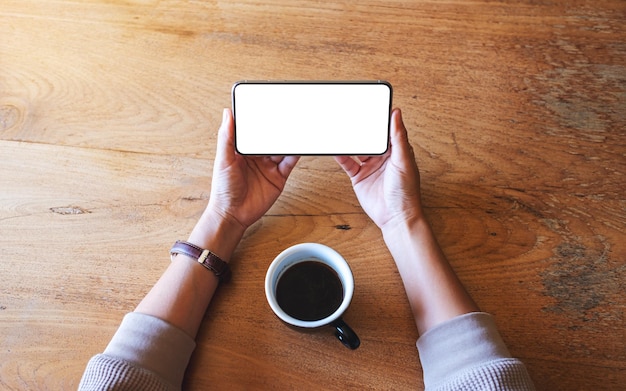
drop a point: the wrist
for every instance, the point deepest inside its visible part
(217, 233)
(399, 233)
(408, 239)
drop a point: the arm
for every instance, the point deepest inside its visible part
(154, 343)
(460, 348)
(387, 187)
(243, 188)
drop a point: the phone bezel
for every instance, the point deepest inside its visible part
(317, 82)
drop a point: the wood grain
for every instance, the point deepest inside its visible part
(516, 111)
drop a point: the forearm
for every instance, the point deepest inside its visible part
(433, 289)
(156, 348)
(184, 291)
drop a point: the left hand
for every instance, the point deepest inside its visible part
(244, 188)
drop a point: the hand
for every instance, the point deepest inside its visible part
(387, 186)
(245, 187)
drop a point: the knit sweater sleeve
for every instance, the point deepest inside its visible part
(146, 353)
(467, 353)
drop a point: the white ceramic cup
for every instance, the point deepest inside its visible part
(326, 255)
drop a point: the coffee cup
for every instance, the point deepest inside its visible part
(310, 285)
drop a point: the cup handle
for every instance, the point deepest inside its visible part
(345, 334)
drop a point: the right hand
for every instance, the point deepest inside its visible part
(387, 186)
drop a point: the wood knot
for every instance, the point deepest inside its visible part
(9, 116)
(69, 210)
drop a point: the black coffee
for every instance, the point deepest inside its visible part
(309, 291)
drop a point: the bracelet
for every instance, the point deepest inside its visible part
(204, 257)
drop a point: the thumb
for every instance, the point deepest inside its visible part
(401, 148)
(225, 150)
(226, 130)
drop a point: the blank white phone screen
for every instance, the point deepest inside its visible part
(311, 118)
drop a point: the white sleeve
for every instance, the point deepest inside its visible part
(144, 350)
(467, 353)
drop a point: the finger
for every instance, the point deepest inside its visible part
(286, 165)
(371, 159)
(349, 165)
(276, 159)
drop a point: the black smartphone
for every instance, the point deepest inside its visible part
(312, 117)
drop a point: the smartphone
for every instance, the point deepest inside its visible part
(312, 117)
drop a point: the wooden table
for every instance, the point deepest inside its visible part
(517, 113)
